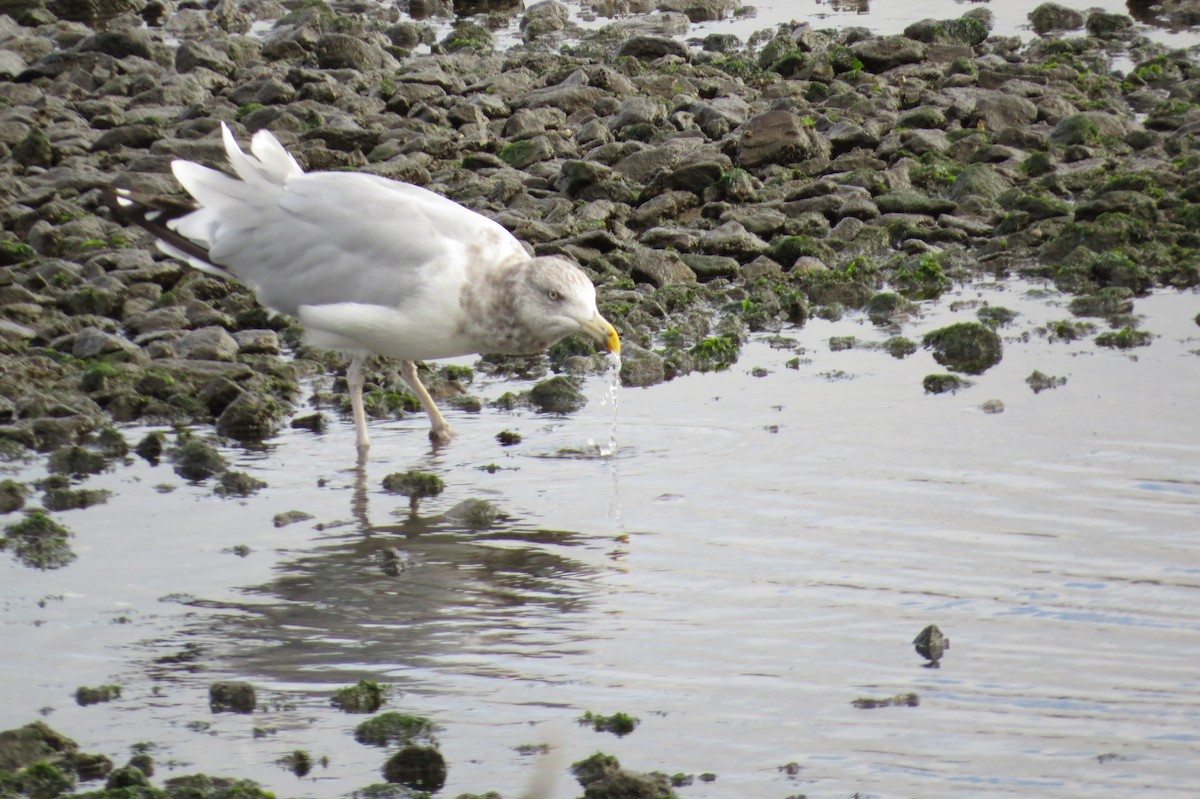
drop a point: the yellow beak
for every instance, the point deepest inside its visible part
(598, 328)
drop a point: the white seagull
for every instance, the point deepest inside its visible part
(368, 264)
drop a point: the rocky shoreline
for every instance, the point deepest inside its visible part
(712, 188)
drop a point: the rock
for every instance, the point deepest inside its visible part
(233, 697)
(734, 240)
(931, 644)
(196, 460)
(192, 55)
(250, 417)
(978, 181)
(92, 342)
(999, 111)
(343, 51)
(558, 394)
(1087, 127)
(524, 153)
(12, 496)
(779, 137)
(881, 53)
(709, 267)
(238, 484)
(257, 342)
(913, 202)
(34, 150)
(1104, 25)
(969, 347)
(650, 48)
(969, 30)
(943, 384)
(474, 514)
(38, 542)
(548, 16)
(414, 485)
(1039, 382)
(660, 267)
(207, 344)
(1053, 17)
(602, 777)
(641, 368)
(127, 777)
(22, 747)
(419, 767)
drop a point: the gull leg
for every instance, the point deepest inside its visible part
(354, 381)
(440, 431)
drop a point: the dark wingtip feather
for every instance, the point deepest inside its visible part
(152, 213)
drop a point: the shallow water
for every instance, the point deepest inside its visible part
(760, 551)
(1009, 18)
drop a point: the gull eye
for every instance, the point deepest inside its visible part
(553, 295)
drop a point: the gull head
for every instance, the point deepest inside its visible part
(557, 299)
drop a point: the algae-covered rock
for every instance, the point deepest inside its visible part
(127, 777)
(237, 484)
(251, 417)
(202, 786)
(77, 461)
(1125, 338)
(886, 306)
(602, 777)
(419, 767)
(414, 484)
(558, 394)
(943, 384)
(394, 727)
(619, 724)
(1040, 382)
(12, 495)
(232, 697)
(24, 746)
(970, 347)
(365, 697)
(1054, 17)
(641, 368)
(197, 460)
(60, 499)
(92, 695)
(1105, 303)
(39, 541)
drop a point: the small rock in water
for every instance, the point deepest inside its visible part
(237, 697)
(931, 644)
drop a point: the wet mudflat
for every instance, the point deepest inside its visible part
(758, 555)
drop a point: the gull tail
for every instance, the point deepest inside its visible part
(158, 215)
(187, 230)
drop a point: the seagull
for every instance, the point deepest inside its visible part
(368, 265)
